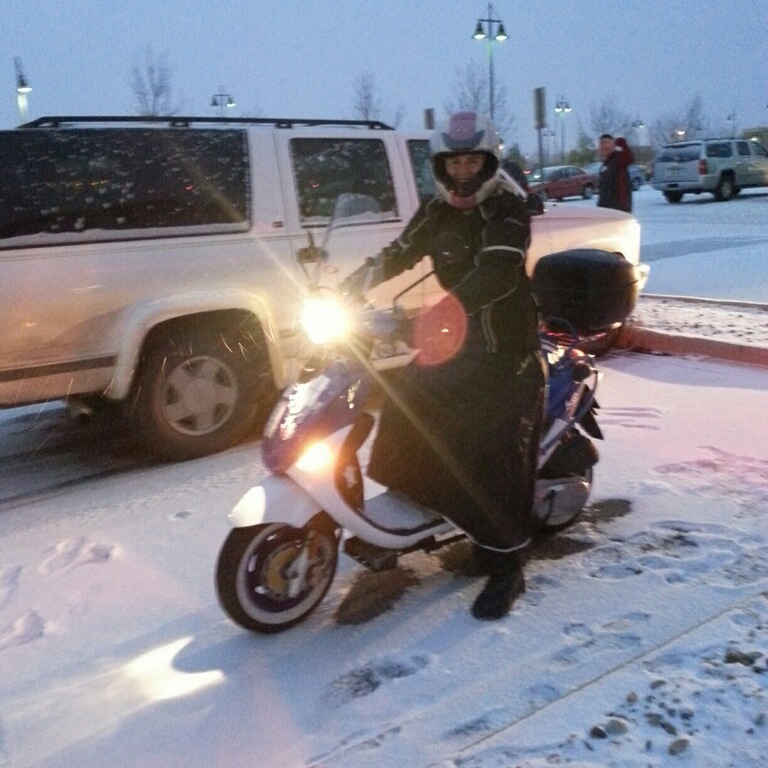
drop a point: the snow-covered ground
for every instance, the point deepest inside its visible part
(642, 639)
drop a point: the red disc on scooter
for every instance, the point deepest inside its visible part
(439, 331)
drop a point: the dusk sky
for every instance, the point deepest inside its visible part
(301, 58)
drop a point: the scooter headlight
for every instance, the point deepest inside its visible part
(317, 458)
(324, 319)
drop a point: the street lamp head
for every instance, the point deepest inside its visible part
(222, 100)
(499, 36)
(22, 86)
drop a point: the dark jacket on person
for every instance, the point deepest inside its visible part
(461, 435)
(615, 184)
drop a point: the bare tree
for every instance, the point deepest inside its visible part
(688, 123)
(472, 92)
(151, 84)
(367, 105)
(585, 151)
(606, 117)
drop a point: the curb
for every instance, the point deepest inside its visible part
(641, 339)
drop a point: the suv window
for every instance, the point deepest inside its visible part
(97, 183)
(421, 162)
(679, 153)
(759, 150)
(743, 148)
(323, 169)
(719, 149)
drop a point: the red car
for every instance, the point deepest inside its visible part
(559, 181)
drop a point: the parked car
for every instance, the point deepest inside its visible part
(561, 181)
(155, 265)
(636, 174)
(722, 167)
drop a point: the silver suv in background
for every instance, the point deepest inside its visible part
(722, 167)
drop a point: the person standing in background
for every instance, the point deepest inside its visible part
(615, 186)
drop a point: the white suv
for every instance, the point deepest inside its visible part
(721, 167)
(152, 263)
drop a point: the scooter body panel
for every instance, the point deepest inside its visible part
(278, 499)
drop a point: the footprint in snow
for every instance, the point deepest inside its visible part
(70, 553)
(488, 722)
(683, 553)
(9, 579)
(27, 628)
(612, 635)
(535, 697)
(364, 680)
(718, 473)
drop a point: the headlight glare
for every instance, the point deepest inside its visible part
(324, 319)
(316, 458)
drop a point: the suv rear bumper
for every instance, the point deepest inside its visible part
(681, 186)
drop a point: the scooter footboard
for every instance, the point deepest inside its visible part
(277, 500)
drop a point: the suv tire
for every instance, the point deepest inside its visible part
(198, 392)
(725, 188)
(673, 197)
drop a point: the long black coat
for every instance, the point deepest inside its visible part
(461, 436)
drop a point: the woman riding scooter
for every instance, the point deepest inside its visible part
(460, 430)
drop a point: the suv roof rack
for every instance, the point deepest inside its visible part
(177, 121)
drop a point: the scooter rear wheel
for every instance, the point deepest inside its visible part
(271, 577)
(546, 529)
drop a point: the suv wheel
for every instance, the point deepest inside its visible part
(673, 197)
(198, 392)
(725, 188)
(636, 184)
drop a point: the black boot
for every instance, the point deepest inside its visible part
(505, 584)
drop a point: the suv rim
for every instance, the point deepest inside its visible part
(199, 395)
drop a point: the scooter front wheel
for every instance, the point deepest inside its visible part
(271, 577)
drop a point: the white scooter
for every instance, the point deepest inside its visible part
(280, 557)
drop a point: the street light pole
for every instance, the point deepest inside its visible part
(22, 89)
(498, 36)
(222, 100)
(638, 125)
(549, 135)
(562, 108)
